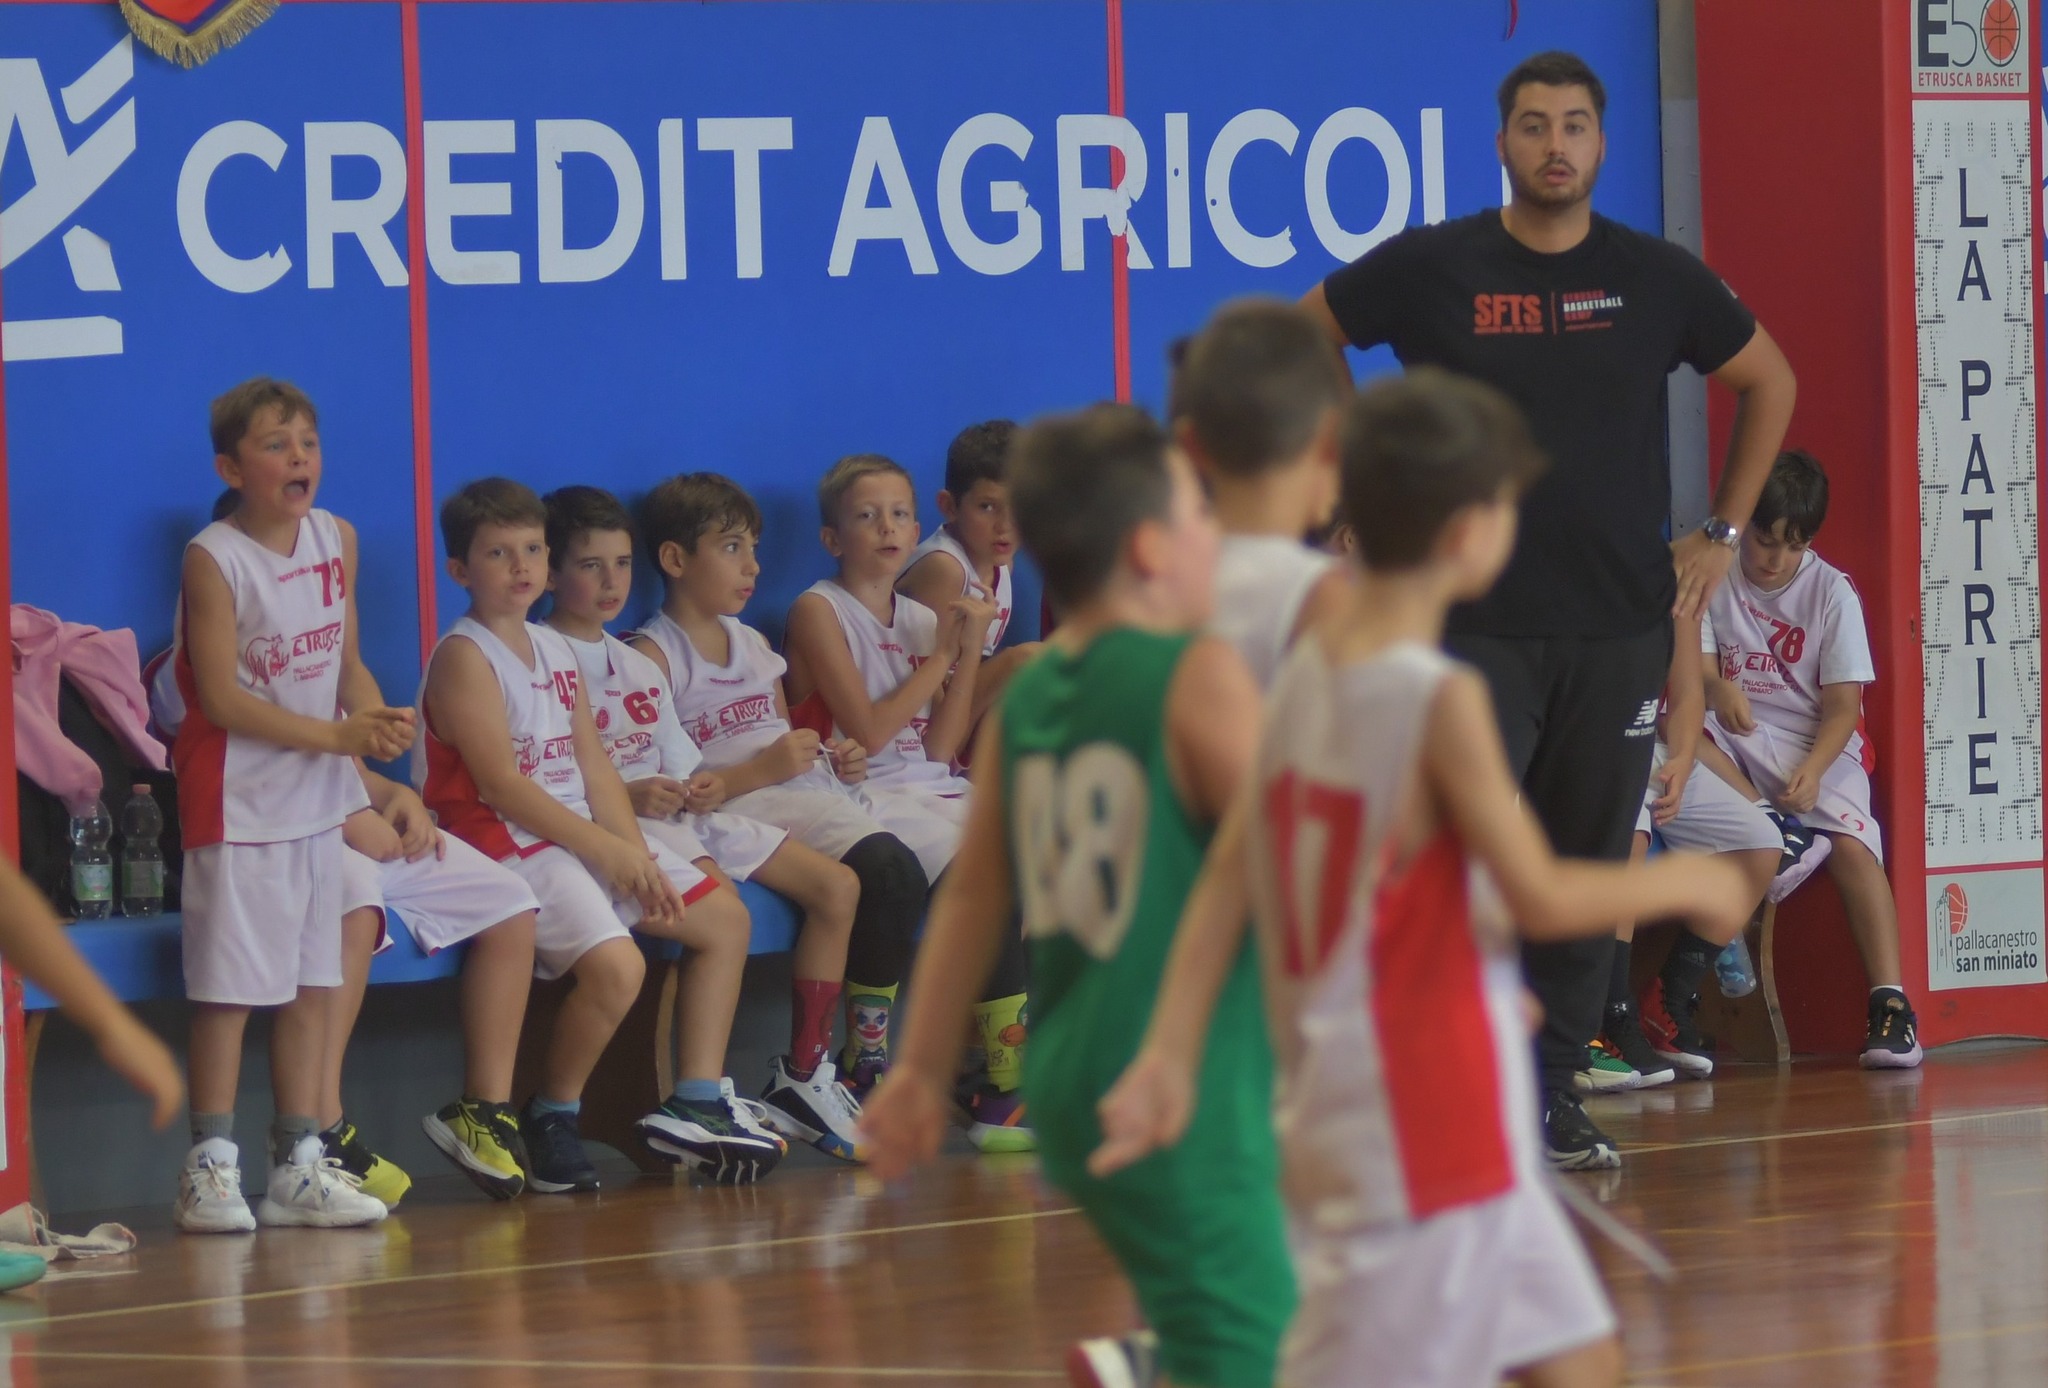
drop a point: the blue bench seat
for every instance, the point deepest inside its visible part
(142, 958)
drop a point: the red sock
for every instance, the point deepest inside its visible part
(813, 1002)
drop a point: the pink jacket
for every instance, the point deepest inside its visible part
(102, 666)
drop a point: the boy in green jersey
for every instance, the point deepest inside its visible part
(1099, 779)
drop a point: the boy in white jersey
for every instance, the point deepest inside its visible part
(513, 763)
(1257, 397)
(1428, 1248)
(1785, 701)
(590, 573)
(702, 530)
(266, 657)
(449, 895)
(973, 553)
(900, 678)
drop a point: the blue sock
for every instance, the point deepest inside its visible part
(697, 1092)
(572, 1108)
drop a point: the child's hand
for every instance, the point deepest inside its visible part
(656, 797)
(900, 1126)
(849, 760)
(976, 616)
(792, 754)
(1722, 895)
(371, 835)
(1669, 779)
(1731, 706)
(1146, 1109)
(1802, 789)
(706, 792)
(380, 734)
(417, 834)
(629, 871)
(133, 1052)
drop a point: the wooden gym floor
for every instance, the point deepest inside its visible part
(1830, 1227)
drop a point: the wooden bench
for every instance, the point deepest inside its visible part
(142, 959)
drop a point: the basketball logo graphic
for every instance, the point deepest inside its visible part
(2001, 30)
(1954, 909)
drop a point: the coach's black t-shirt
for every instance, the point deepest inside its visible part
(1582, 340)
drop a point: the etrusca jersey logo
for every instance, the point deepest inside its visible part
(62, 179)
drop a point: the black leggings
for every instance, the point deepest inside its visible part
(893, 888)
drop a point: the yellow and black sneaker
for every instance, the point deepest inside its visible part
(481, 1138)
(380, 1179)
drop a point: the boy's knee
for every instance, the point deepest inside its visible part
(722, 921)
(838, 895)
(889, 874)
(360, 931)
(613, 972)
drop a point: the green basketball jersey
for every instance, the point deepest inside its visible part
(1104, 856)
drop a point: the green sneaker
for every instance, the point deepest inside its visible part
(1604, 1072)
(473, 1134)
(381, 1179)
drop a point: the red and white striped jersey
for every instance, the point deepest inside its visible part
(1780, 648)
(1405, 1083)
(288, 629)
(942, 541)
(540, 701)
(886, 656)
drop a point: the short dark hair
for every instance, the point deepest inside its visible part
(575, 511)
(1079, 485)
(841, 476)
(487, 501)
(1555, 68)
(1419, 448)
(979, 453)
(233, 412)
(690, 505)
(1796, 493)
(1256, 384)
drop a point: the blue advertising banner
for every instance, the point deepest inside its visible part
(749, 237)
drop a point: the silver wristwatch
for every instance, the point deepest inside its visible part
(1721, 532)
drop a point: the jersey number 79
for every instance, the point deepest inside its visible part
(1080, 834)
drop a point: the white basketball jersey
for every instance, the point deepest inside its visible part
(728, 710)
(288, 630)
(1370, 972)
(540, 701)
(886, 656)
(630, 702)
(1780, 648)
(942, 542)
(1261, 583)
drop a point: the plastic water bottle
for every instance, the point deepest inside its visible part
(142, 857)
(92, 866)
(1734, 971)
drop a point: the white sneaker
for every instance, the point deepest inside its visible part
(819, 1110)
(312, 1190)
(210, 1191)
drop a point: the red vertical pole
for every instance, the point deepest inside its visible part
(416, 303)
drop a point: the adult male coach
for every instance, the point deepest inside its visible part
(1580, 320)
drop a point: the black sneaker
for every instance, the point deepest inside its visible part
(556, 1161)
(1667, 1021)
(1624, 1033)
(1125, 1361)
(378, 1177)
(1569, 1137)
(1892, 1041)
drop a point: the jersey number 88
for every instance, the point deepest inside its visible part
(1080, 831)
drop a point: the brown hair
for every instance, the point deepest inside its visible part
(488, 501)
(1257, 383)
(574, 511)
(849, 470)
(690, 505)
(1079, 485)
(235, 411)
(1421, 447)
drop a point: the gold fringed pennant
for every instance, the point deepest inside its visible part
(188, 32)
